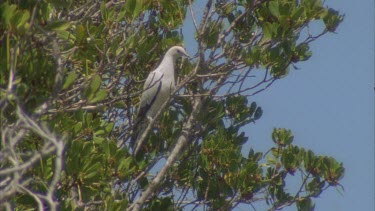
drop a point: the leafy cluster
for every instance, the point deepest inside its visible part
(71, 73)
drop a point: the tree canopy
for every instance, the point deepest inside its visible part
(71, 76)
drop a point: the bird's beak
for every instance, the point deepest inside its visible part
(186, 55)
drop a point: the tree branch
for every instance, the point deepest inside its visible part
(181, 143)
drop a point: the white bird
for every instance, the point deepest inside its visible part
(159, 84)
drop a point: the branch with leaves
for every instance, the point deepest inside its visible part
(76, 69)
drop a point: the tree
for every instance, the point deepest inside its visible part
(71, 76)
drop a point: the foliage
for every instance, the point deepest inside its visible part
(71, 75)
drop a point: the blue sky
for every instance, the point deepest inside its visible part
(329, 105)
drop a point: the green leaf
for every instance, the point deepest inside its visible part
(274, 8)
(258, 113)
(99, 132)
(93, 87)
(124, 165)
(92, 171)
(119, 50)
(98, 140)
(109, 127)
(332, 19)
(134, 7)
(298, 13)
(138, 8)
(66, 35)
(58, 25)
(269, 29)
(315, 186)
(130, 5)
(106, 149)
(20, 18)
(305, 204)
(95, 83)
(69, 80)
(8, 12)
(303, 52)
(77, 127)
(143, 182)
(282, 137)
(332, 170)
(81, 35)
(88, 119)
(121, 15)
(100, 95)
(104, 11)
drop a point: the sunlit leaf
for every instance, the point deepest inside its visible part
(58, 25)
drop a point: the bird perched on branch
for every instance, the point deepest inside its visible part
(159, 84)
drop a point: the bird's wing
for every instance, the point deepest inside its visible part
(151, 90)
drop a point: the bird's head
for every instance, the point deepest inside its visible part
(177, 51)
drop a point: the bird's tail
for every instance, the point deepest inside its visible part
(137, 138)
